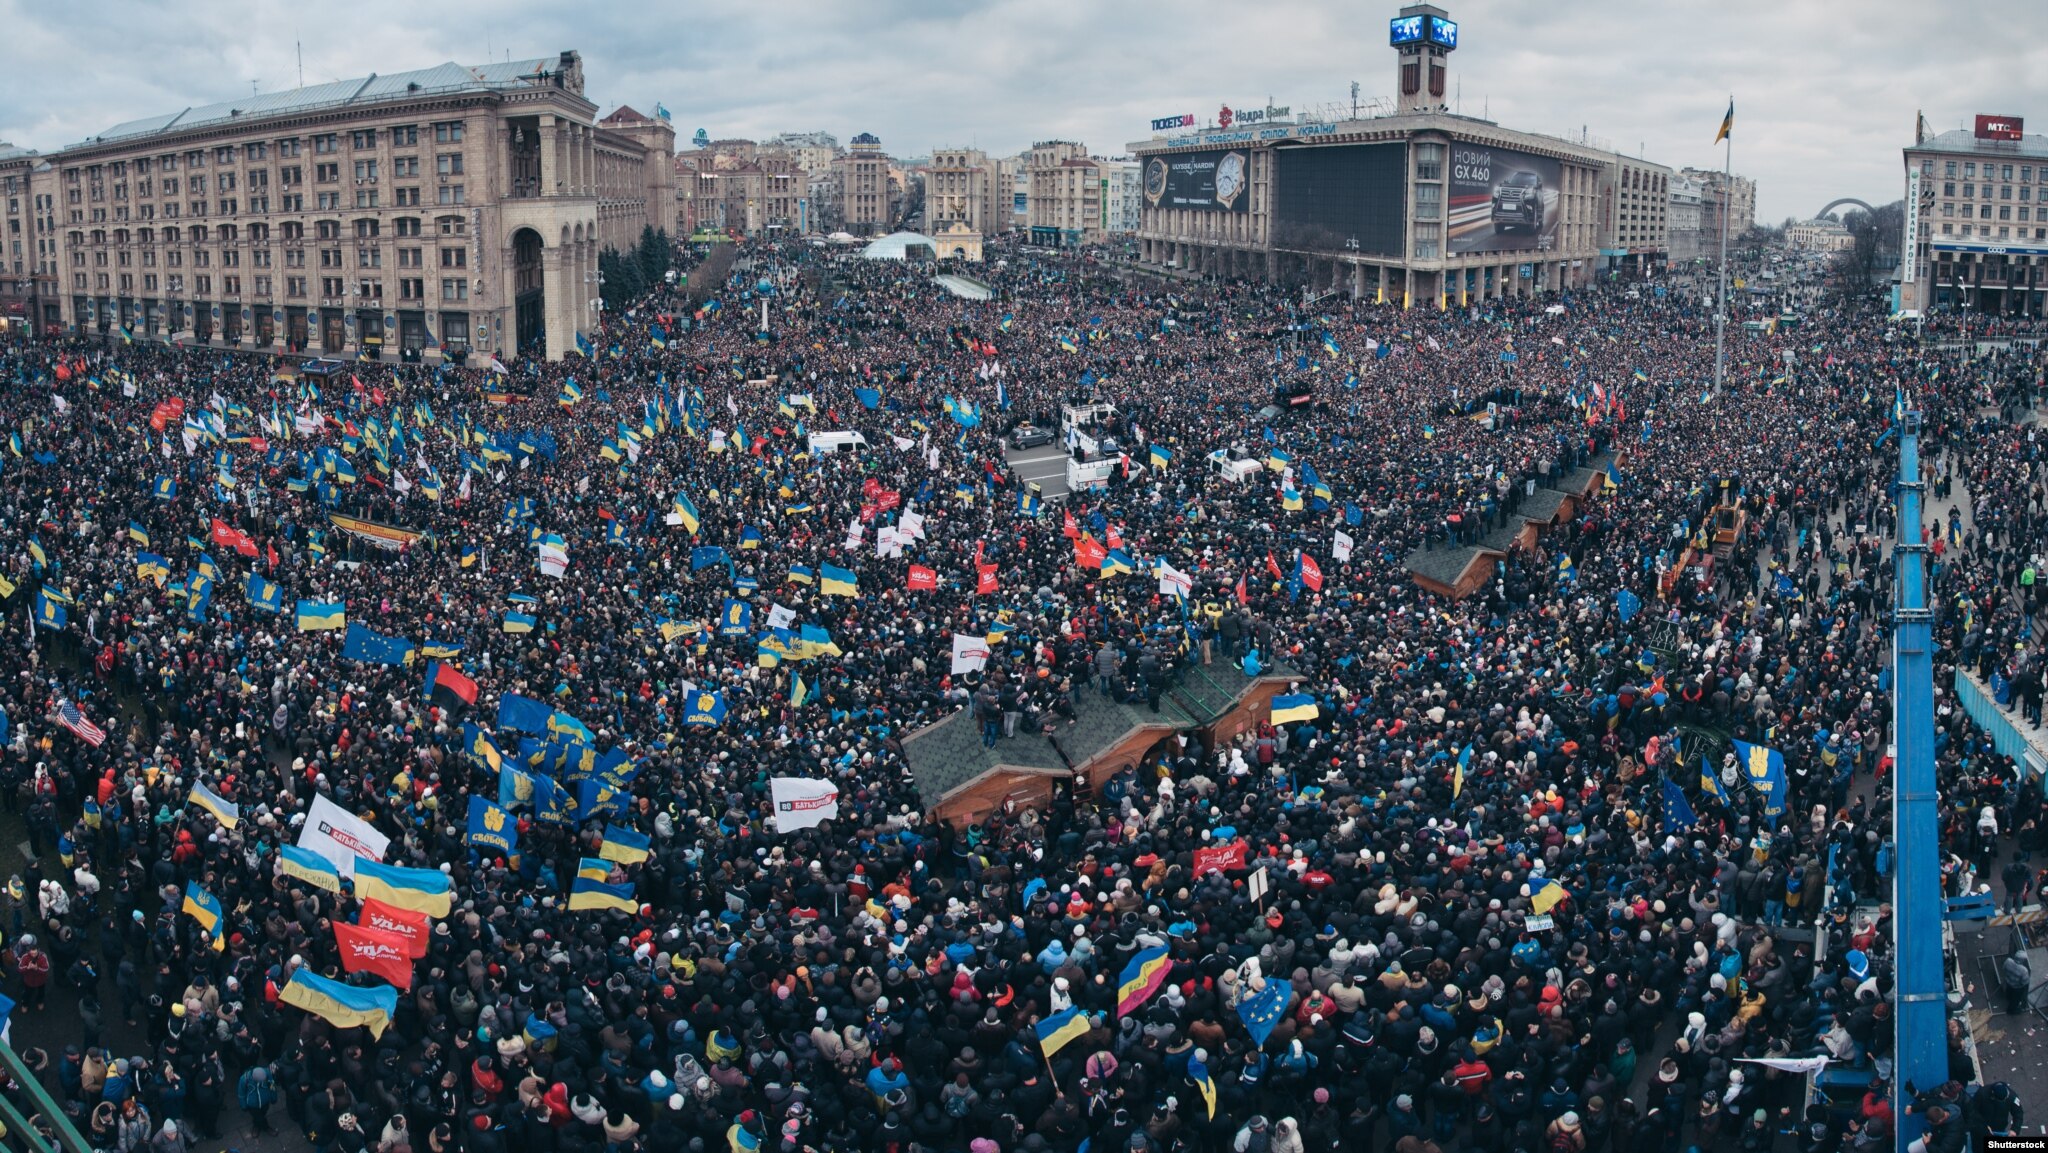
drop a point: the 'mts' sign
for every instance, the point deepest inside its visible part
(2000, 127)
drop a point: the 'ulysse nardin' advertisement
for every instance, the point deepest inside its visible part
(1212, 181)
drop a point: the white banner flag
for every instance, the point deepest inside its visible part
(1174, 582)
(341, 836)
(1340, 549)
(969, 653)
(889, 541)
(781, 617)
(802, 803)
(903, 443)
(911, 524)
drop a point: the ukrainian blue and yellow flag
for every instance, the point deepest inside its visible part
(624, 846)
(426, 891)
(799, 575)
(1115, 562)
(838, 582)
(518, 623)
(320, 616)
(308, 866)
(225, 811)
(1294, 707)
(1161, 456)
(138, 534)
(151, 567)
(585, 893)
(1546, 894)
(1057, 1030)
(593, 869)
(687, 510)
(205, 909)
(343, 1006)
(583, 347)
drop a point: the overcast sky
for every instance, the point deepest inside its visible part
(1825, 91)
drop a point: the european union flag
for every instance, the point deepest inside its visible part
(523, 714)
(869, 397)
(704, 556)
(1678, 812)
(363, 643)
(1627, 605)
(1764, 768)
(1263, 1009)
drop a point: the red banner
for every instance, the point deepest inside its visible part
(228, 536)
(888, 500)
(1071, 529)
(407, 925)
(1224, 858)
(1311, 573)
(923, 579)
(374, 951)
(1089, 554)
(985, 579)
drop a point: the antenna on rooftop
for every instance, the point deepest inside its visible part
(300, 48)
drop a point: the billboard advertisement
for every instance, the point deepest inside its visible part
(2000, 127)
(1345, 198)
(1212, 181)
(1502, 201)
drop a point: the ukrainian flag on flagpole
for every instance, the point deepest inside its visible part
(593, 869)
(310, 867)
(1294, 707)
(1546, 894)
(344, 1006)
(687, 510)
(317, 616)
(225, 811)
(421, 890)
(624, 846)
(1727, 123)
(1057, 1030)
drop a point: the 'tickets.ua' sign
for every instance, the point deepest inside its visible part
(2000, 127)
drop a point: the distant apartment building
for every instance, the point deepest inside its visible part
(1723, 199)
(867, 196)
(1066, 195)
(1634, 215)
(1820, 236)
(1682, 219)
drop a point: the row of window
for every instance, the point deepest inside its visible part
(259, 233)
(1948, 188)
(399, 136)
(1992, 170)
(2004, 211)
(453, 289)
(2005, 232)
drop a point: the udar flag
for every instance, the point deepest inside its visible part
(343, 1006)
(404, 924)
(802, 803)
(374, 951)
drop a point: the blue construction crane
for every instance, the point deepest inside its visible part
(1922, 1010)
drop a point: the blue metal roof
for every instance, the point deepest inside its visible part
(372, 89)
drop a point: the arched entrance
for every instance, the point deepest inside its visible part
(528, 302)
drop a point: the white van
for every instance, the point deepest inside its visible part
(1233, 470)
(830, 442)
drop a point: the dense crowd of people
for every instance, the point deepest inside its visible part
(1521, 894)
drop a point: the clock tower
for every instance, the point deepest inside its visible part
(1424, 36)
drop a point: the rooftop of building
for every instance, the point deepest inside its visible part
(442, 79)
(14, 152)
(1964, 140)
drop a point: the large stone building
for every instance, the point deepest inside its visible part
(1635, 215)
(737, 186)
(1819, 236)
(1123, 196)
(449, 212)
(1065, 208)
(1723, 198)
(1976, 230)
(1420, 205)
(1682, 219)
(28, 261)
(963, 186)
(868, 194)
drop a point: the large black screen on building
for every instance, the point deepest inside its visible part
(1327, 197)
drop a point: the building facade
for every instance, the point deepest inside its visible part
(1635, 215)
(1065, 208)
(963, 186)
(1977, 220)
(28, 245)
(636, 177)
(450, 212)
(1819, 236)
(1682, 219)
(867, 193)
(1723, 198)
(1122, 196)
(1419, 206)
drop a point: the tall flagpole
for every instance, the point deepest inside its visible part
(1721, 296)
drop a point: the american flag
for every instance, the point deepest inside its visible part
(69, 716)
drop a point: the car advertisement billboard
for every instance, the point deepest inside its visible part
(1349, 198)
(1501, 200)
(1217, 181)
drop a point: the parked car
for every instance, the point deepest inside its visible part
(1030, 436)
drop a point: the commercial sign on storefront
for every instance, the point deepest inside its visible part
(1184, 120)
(2000, 127)
(1277, 132)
